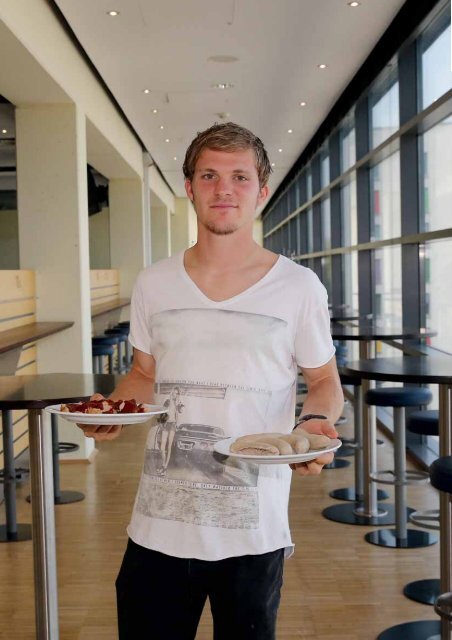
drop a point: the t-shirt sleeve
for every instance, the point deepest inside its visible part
(139, 331)
(313, 343)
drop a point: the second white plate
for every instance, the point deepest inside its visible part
(223, 447)
(108, 418)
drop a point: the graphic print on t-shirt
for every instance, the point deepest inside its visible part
(183, 479)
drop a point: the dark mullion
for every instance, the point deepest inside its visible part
(365, 271)
(316, 209)
(409, 186)
(337, 269)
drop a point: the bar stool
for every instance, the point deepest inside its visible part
(424, 423)
(11, 531)
(122, 347)
(61, 497)
(441, 478)
(101, 347)
(125, 329)
(401, 537)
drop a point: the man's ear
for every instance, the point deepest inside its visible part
(263, 194)
(189, 190)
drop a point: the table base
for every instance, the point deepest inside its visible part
(346, 513)
(66, 497)
(414, 539)
(23, 533)
(423, 591)
(418, 630)
(349, 494)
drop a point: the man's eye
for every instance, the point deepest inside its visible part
(207, 176)
(241, 178)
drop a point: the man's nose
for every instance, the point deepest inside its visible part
(223, 187)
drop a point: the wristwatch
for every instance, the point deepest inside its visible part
(309, 416)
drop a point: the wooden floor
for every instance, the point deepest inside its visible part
(336, 585)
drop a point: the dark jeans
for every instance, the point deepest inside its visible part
(161, 597)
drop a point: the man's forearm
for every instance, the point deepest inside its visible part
(324, 398)
(135, 385)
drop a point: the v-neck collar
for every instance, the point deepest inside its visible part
(205, 298)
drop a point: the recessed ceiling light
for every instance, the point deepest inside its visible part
(175, 158)
(167, 140)
(273, 164)
(222, 85)
(322, 66)
(4, 131)
(155, 110)
(289, 131)
(146, 91)
(224, 59)
(354, 4)
(280, 150)
(162, 127)
(113, 14)
(302, 104)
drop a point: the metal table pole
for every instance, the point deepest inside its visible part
(369, 508)
(43, 523)
(445, 514)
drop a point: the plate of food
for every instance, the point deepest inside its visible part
(278, 448)
(106, 411)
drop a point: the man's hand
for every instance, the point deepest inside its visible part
(100, 432)
(314, 467)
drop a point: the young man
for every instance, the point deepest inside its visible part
(227, 323)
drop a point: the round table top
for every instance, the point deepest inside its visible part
(367, 330)
(39, 391)
(433, 369)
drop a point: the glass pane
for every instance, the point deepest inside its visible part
(309, 184)
(436, 67)
(387, 271)
(310, 230)
(384, 114)
(325, 210)
(327, 275)
(324, 170)
(350, 280)
(348, 150)
(9, 221)
(438, 301)
(349, 213)
(436, 209)
(385, 185)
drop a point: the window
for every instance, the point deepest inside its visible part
(325, 212)
(436, 61)
(324, 169)
(385, 204)
(347, 139)
(387, 270)
(438, 301)
(384, 107)
(436, 185)
(349, 222)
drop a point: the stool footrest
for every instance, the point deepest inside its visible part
(67, 447)
(428, 519)
(386, 476)
(443, 606)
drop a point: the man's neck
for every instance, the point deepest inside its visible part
(222, 252)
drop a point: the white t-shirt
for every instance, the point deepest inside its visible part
(223, 369)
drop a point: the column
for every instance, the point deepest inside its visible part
(53, 234)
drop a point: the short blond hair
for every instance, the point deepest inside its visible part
(227, 137)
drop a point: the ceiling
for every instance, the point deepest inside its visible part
(167, 46)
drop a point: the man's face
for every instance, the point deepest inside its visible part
(225, 190)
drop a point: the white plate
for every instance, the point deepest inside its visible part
(222, 446)
(108, 418)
